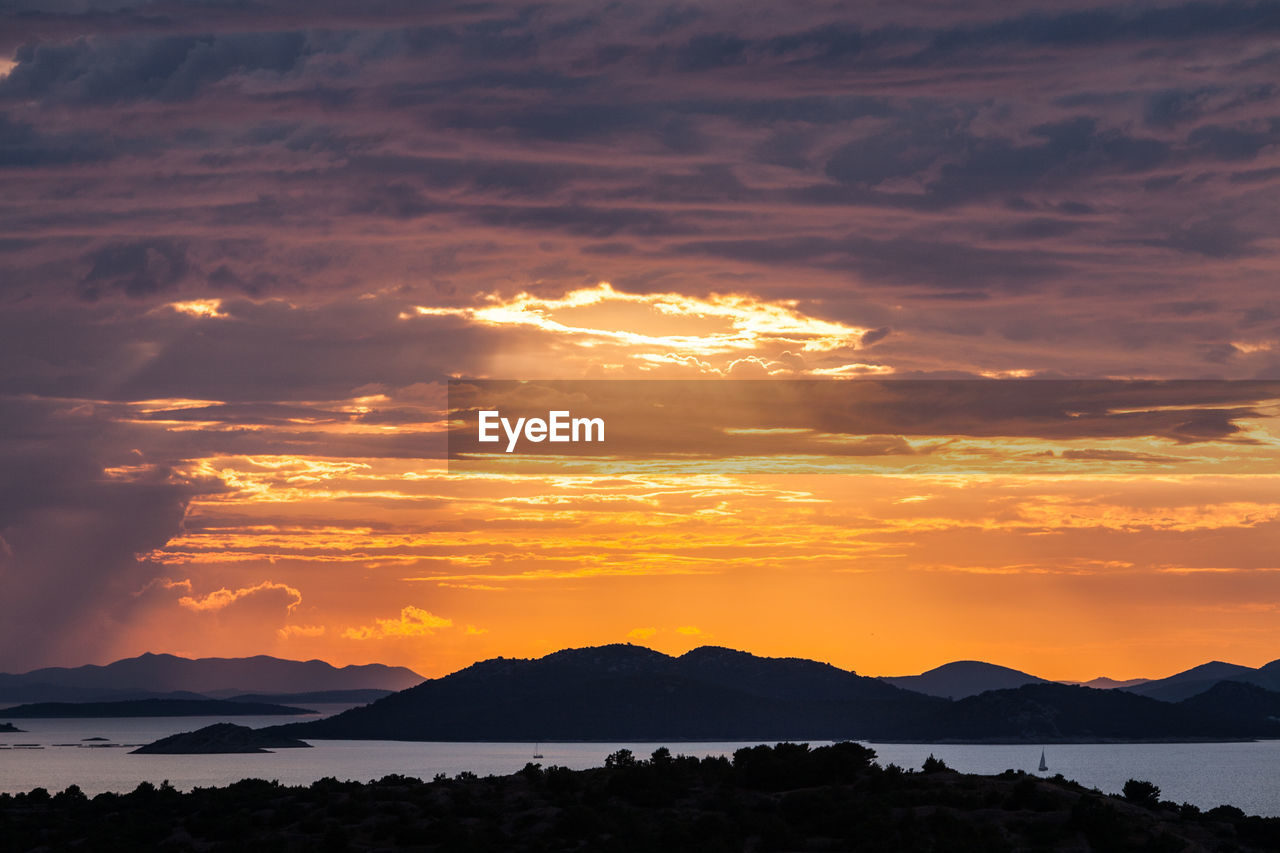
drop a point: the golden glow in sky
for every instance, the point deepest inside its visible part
(935, 549)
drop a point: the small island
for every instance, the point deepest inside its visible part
(9, 728)
(218, 739)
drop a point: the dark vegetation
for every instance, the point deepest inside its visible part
(786, 797)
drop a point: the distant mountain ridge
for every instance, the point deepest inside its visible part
(1198, 679)
(163, 675)
(150, 708)
(1104, 683)
(268, 679)
(631, 693)
(963, 678)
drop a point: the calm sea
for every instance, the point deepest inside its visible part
(1206, 774)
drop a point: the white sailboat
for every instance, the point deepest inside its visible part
(1043, 766)
(537, 753)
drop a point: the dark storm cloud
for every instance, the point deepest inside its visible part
(139, 269)
(1100, 26)
(1070, 150)
(1058, 155)
(71, 529)
(1174, 106)
(168, 68)
(896, 153)
(592, 222)
(404, 182)
(251, 284)
(1213, 238)
(1232, 143)
(258, 352)
(906, 261)
(22, 146)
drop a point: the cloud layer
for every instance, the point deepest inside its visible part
(244, 246)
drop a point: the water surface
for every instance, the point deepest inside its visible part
(1205, 774)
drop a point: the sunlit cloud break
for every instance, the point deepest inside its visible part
(199, 307)
(718, 323)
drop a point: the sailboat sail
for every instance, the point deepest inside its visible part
(1043, 766)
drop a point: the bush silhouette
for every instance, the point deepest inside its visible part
(1142, 793)
(621, 758)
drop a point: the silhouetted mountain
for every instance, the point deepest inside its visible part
(220, 738)
(960, 679)
(632, 693)
(1198, 679)
(624, 692)
(151, 708)
(216, 677)
(1038, 713)
(963, 678)
(1238, 702)
(1104, 683)
(773, 678)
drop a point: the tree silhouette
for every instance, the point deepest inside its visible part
(1142, 793)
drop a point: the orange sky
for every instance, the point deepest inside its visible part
(1068, 557)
